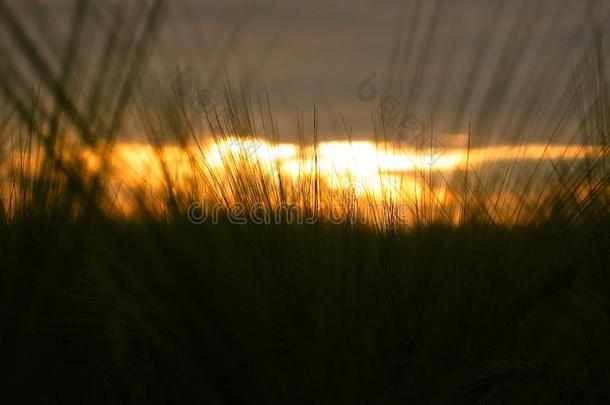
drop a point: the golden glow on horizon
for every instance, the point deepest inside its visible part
(359, 169)
(339, 162)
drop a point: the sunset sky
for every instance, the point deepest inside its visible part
(445, 62)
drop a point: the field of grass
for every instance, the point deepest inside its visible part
(102, 306)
